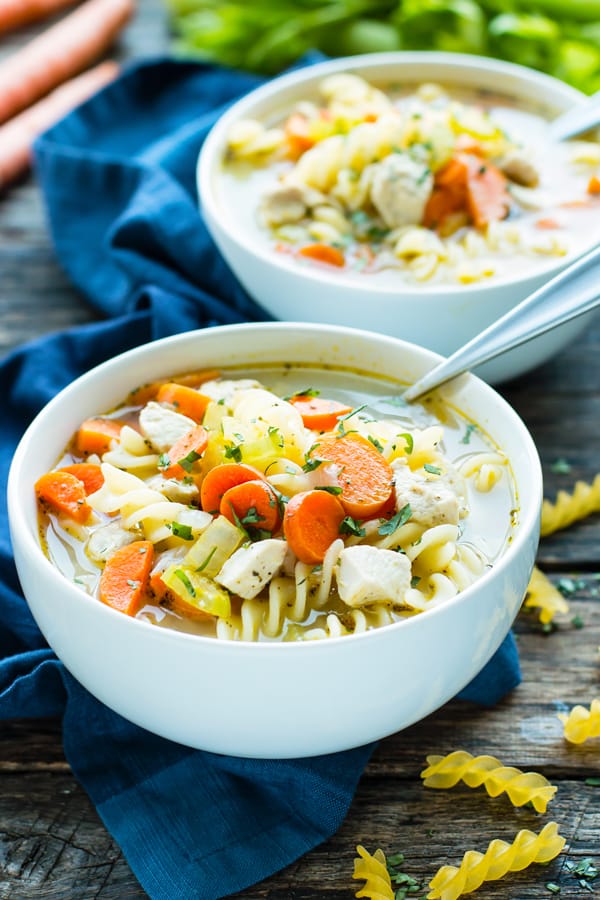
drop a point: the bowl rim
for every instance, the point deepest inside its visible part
(23, 533)
(213, 144)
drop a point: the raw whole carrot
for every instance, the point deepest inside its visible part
(61, 52)
(185, 452)
(311, 524)
(124, 583)
(64, 494)
(365, 477)
(88, 473)
(318, 413)
(18, 135)
(220, 479)
(96, 435)
(253, 504)
(186, 400)
(145, 392)
(14, 13)
(593, 185)
(323, 253)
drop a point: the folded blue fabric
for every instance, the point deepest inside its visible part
(118, 179)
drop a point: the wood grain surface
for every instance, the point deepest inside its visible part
(52, 843)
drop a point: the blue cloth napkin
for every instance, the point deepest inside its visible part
(118, 180)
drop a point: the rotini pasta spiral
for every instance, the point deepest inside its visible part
(541, 594)
(570, 508)
(500, 857)
(581, 724)
(373, 870)
(475, 771)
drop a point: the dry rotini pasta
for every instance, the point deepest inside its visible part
(372, 869)
(571, 507)
(541, 594)
(475, 771)
(582, 723)
(500, 858)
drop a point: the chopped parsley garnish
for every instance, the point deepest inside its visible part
(233, 451)
(552, 887)
(307, 392)
(182, 531)
(377, 444)
(311, 462)
(593, 782)
(577, 622)
(330, 488)
(466, 438)
(163, 461)
(560, 467)
(348, 525)
(275, 435)
(185, 581)
(188, 461)
(207, 560)
(415, 580)
(410, 442)
(133, 584)
(433, 470)
(585, 871)
(406, 885)
(252, 517)
(401, 517)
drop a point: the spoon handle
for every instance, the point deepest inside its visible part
(575, 291)
(577, 120)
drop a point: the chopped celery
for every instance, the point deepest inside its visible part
(214, 547)
(196, 591)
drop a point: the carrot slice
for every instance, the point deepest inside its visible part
(252, 503)
(593, 185)
(297, 135)
(365, 477)
(139, 396)
(124, 582)
(188, 401)
(220, 479)
(487, 197)
(323, 253)
(95, 435)
(449, 193)
(547, 224)
(163, 596)
(63, 494)
(185, 452)
(311, 524)
(89, 473)
(318, 413)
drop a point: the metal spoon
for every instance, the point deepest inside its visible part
(577, 120)
(575, 291)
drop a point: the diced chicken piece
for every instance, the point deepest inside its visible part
(400, 188)
(520, 170)
(369, 575)
(282, 205)
(250, 568)
(174, 489)
(162, 426)
(107, 540)
(434, 499)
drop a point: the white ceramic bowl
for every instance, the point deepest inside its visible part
(270, 699)
(440, 317)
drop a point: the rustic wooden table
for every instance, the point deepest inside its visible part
(52, 843)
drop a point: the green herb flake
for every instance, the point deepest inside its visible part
(377, 444)
(414, 581)
(252, 517)
(389, 526)
(163, 461)
(188, 461)
(560, 467)
(185, 581)
(275, 435)
(352, 412)
(552, 887)
(311, 462)
(410, 442)
(133, 584)
(433, 470)
(182, 531)
(329, 488)
(207, 560)
(466, 438)
(577, 622)
(233, 451)
(348, 525)
(566, 586)
(307, 392)
(592, 782)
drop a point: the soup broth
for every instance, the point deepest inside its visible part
(411, 504)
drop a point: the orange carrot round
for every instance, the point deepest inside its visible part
(220, 479)
(254, 504)
(88, 473)
(311, 524)
(185, 452)
(186, 400)
(365, 477)
(140, 395)
(95, 435)
(63, 494)
(593, 185)
(297, 135)
(323, 253)
(125, 578)
(318, 413)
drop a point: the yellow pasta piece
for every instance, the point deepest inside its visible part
(474, 771)
(373, 869)
(581, 724)
(569, 508)
(451, 882)
(542, 595)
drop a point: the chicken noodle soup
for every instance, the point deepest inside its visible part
(421, 183)
(291, 503)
